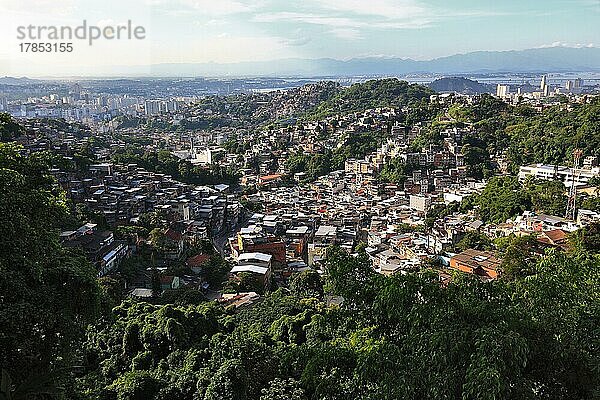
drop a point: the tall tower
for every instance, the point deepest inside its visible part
(571, 211)
(544, 82)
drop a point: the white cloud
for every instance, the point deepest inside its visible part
(566, 44)
(351, 19)
(402, 9)
(41, 7)
(341, 21)
(346, 33)
(215, 8)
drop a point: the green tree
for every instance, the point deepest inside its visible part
(502, 198)
(228, 383)
(9, 129)
(307, 284)
(135, 385)
(49, 293)
(282, 389)
(474, 240)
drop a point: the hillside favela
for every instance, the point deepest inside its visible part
(317, 200)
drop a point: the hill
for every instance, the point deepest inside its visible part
(389, 92)
(460, 85)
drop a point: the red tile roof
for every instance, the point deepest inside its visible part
(197, 260)
(556, 235)
(173, 235)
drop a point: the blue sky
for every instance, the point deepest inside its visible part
(249, 30)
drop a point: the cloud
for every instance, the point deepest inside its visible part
(41, 7)
(351, 19)
(402, 9)
(566, 44)
(346, 33)
(207, 7)
(299, 41)
(341, 21)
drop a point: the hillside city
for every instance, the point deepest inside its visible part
(238, 193)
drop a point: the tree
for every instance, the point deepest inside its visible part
(49, 293)
(228, 383)
(587, 239)
(517, 257)
(474, 240)
(547, 197)
(502, 198)
(283, 389)
(307, 284)
(215, 270)
(9, 129)
(135, 385)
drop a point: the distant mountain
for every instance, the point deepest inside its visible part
(460, 85)
(541, 60)
(8, 80)
(553, 59)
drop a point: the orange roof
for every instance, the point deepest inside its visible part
(197, 260)
(476, 258)
(556, 235)
(270, 177)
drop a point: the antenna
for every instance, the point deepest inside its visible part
(571, 210)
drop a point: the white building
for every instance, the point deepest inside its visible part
(565, 174)
(419, 202)
(502, 90)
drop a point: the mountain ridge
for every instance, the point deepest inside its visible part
(537, 60)
(553, 59)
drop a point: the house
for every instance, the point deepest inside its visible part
(253, 239)
(174, 244)
(481, 263)
(100, 247)
(269, 179)
(262, 273)
(258, 264)
(196, 262)
(260, 259)
(169, 282)
(555, 238)
(240, 299)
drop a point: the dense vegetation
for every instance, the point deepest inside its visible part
(166, 163)
(9, 129)
(372, 94)
(528, 136)
(504, 198)
(404, 336)
(355, 145)
(460, 85)
(48, 294)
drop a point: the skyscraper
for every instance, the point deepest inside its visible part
(544, 82)
(502, 90)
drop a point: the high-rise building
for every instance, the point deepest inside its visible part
(502, 90)
(152, 107)
(578, 83)
(544, 82)
(3, 104)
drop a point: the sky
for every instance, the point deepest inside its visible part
(228, 31)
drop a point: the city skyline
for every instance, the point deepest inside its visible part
(198, 31)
